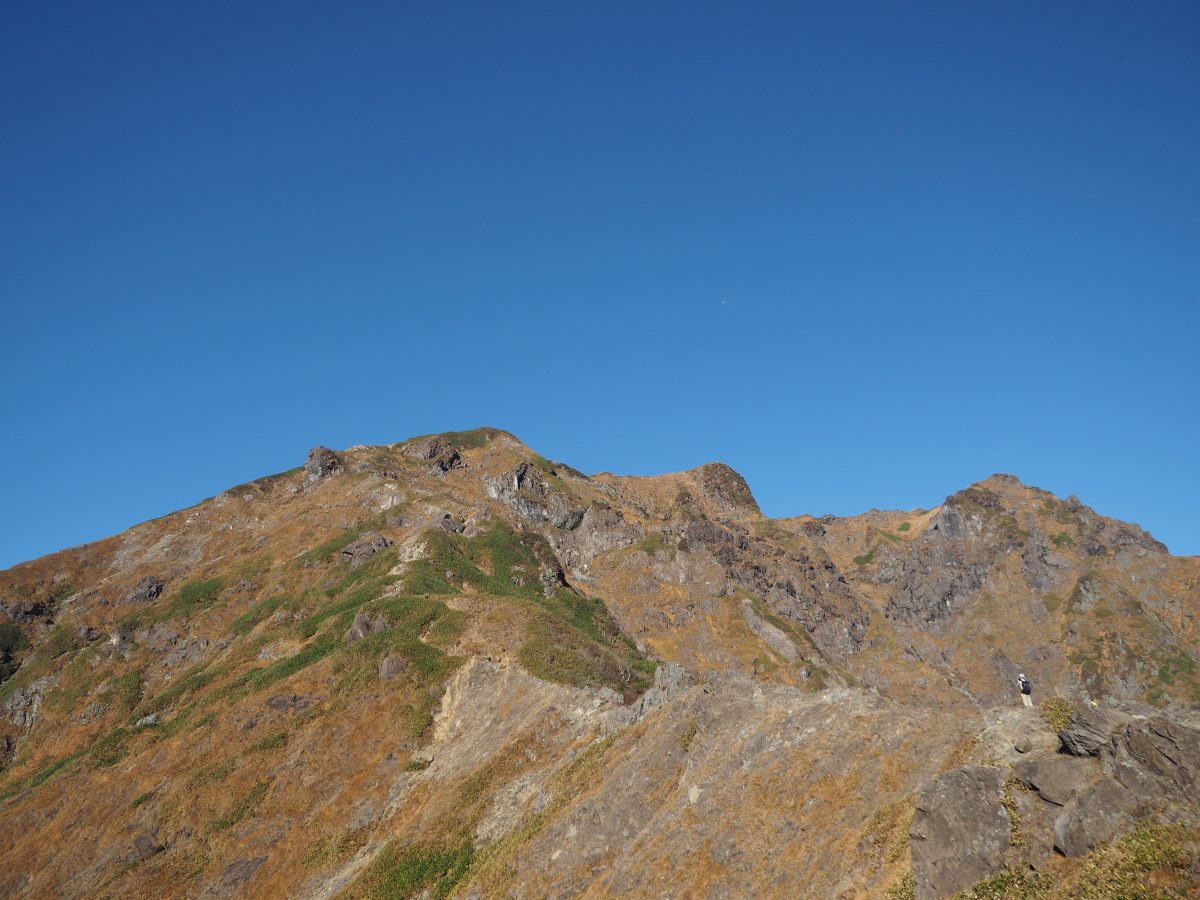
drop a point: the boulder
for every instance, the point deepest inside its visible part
(1165, 749)
(364, 626)
(1057, 779)
(1087, 731)
(364, 548)
(451, 524)
(26, 611)
(393, 664)
(960, 832)
(146, 590)
(1097, 815)
(321, 463)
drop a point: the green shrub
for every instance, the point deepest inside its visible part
(904, 526)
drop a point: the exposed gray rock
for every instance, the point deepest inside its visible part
(23, 705)
(944, 572)
(159, 637)
(527, 493)
(1159, 748)
(773, 637)
(364, 548)
(289, 703)
(1057, 779)
(1088, 730)
(726, 489)
(364, 625)
(119, 641)
(88, 634)
(393, 664)
(146, 590)
(1096, 815)
(442, 455)
(451, 524)
(321, 463)
(960, 832)
(27, 611)
(147, 721)
(235, 874)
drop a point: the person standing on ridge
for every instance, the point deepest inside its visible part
(1026, 689)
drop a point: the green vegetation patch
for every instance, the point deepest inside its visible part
(865, 559)
(407, 871)
(189, 599)
(904, 526)
(570, 638)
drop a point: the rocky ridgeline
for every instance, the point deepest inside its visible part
(543, 683)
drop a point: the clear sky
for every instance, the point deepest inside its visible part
(866, 253)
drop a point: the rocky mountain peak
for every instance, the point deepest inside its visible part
(543, 683)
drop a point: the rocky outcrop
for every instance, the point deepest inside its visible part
(526, 492)
(726, 489)
(944, 572)
(441, 454)
(1087, 732)
(1158, 749)
(145, 591)
(364, 548)
(321, 463)
(961, 831)
(1100, 813)
(393, 664)
(768, 633)
(364, 626)
(23, 706)
(1056, 779)
(26, 611)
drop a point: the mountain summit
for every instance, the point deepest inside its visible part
(452, 667)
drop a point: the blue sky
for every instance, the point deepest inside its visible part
(866, 254)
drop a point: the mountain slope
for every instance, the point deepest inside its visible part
(450, 665)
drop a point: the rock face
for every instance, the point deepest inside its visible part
(946, 570)
(321, 463)
(960, 832)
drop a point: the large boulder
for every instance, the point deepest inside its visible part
(961, 832)
(1087, 732)
(1057, 779)
(1098, 814)
(364, 626)
(364, 548)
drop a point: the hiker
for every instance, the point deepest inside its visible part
(1026, 689)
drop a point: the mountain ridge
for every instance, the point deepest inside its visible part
(376, 598)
